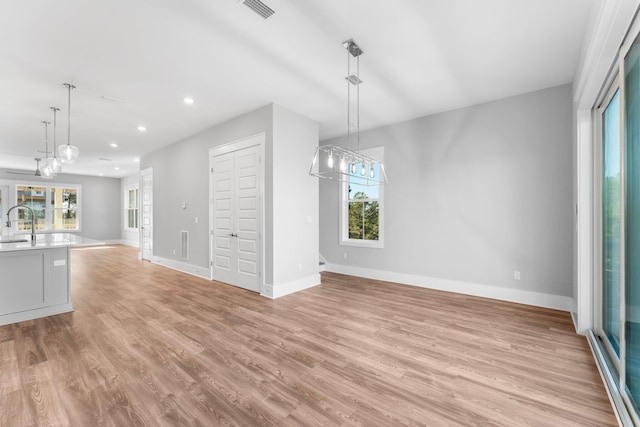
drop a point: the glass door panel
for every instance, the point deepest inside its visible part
(611, 223)
(632, 222)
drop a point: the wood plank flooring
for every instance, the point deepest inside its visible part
(151, 346)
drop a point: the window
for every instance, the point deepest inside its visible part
(361, 209)
(54, 208)
(131, 209)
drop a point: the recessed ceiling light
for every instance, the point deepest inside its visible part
(188, 100)
(113, 144)
(136, 159)
(100, 174)
(116, 168)
(142, 128)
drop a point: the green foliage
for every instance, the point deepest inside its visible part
(363, 218)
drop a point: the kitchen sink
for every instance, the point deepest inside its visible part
(13, 241)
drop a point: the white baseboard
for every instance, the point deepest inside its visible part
(182, 266)
(35, 314)
(122, 242)
(277, 291)
(538, 299)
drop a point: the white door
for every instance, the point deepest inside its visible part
(235, 243)
(146, 235)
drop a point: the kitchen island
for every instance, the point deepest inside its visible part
(35, 276)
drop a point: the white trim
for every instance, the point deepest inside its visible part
(132, 243)
(134, 186)
(183, 267)
(35, 314)
(557, 302)
(376, 153)
(615, 398)
(297, 285)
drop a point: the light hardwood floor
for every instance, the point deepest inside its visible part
(151, 346)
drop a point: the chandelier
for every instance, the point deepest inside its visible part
(344, 164)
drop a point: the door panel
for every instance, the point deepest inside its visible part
(146, 176)
(246, 214)
(223, 244)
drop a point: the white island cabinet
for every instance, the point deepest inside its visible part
(35, 277)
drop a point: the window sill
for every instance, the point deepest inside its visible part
(363, 243)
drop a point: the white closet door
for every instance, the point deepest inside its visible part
(223, 236)
(235, 227)
(246, 202)
(146, 237)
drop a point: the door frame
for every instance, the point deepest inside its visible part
(236, 145)
(144, 172)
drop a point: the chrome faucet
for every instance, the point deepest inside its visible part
(33, 220)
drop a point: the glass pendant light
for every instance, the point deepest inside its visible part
(54, 162)
(372, 171)
(46, 171)
(330, 160)
(68, 153)
(343, 164)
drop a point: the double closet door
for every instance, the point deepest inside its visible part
(235, 243)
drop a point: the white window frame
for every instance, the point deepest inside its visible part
(48, 221)
(132, 187)
(344, 240)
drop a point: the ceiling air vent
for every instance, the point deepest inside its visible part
(258, 7)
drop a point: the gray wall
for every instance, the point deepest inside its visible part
(181, 174)
(100, 202)
(473, 195)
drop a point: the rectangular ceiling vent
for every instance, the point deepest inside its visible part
(258, 7)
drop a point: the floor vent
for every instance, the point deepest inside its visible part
(184, 245)
(258, 7)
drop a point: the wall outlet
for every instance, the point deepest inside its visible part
(196, 220)
(516, 275)
(345, 255)
(174, 251)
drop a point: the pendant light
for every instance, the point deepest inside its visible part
(54, 163)
(68, 153)
(324, 165)
(46, 171)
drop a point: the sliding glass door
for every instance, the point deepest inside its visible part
(619, 229)
(611, 222)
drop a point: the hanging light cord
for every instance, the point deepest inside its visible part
(69, 86)
(358, 100)
(46, 137)
(55, 110)
(348, 101)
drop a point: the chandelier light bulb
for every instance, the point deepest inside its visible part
(353, 168)
(343, 165)
(363, 170)
(372, 172)
(330, 160)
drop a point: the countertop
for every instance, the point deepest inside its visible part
(46, 241)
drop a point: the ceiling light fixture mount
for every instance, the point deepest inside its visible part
(68, 153)
(352, 166)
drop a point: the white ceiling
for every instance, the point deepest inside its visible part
(421, 57)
